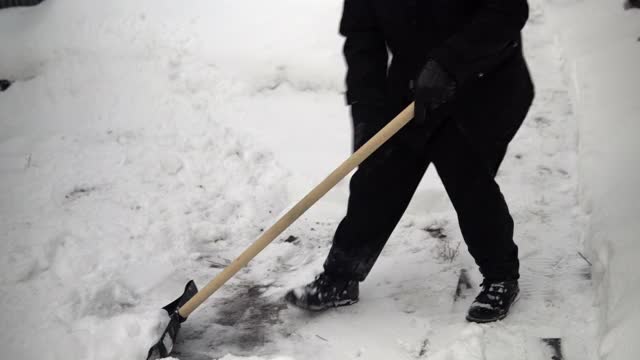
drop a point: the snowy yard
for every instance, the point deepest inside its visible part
(146, 143)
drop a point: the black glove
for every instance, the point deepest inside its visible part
(367, 121)
(433, 89)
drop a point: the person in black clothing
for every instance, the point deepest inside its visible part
(462, 62)
(16, 3)
(630, 4)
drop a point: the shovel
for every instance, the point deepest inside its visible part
(180, 309)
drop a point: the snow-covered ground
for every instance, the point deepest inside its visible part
(603, 52)
(145, 143)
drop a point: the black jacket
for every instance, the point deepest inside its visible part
(477, 41)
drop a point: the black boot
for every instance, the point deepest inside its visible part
(494, 301)
(323, 293)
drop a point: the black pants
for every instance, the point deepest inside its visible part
(383, 185)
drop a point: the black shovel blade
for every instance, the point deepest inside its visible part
(164, 346)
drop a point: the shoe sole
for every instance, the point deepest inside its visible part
(334, 304)
(500, 317)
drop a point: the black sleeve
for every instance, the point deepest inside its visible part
(365, 52)
(489, 38)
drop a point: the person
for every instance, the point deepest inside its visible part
(4, 84)
(630, 4)
(462, 62)
(17, 3)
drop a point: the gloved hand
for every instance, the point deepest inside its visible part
(367, 121)
(434, 88)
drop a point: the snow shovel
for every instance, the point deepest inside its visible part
(180, 309)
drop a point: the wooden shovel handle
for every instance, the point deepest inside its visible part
(300, 208)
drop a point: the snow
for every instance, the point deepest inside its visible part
(116, 181)
(147, 143)
(603, 54)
